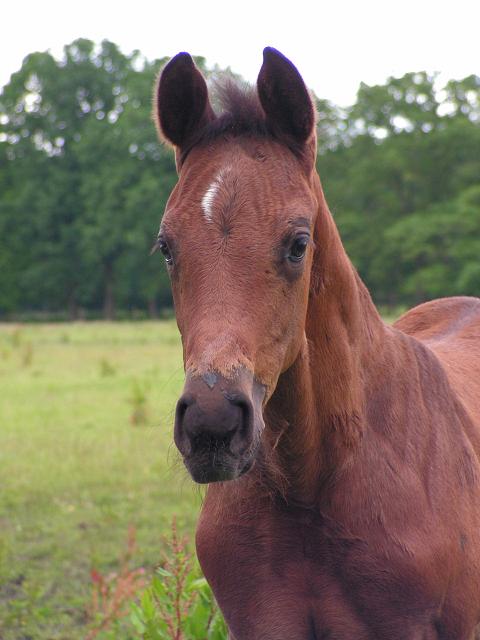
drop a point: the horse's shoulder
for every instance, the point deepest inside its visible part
(441, 319)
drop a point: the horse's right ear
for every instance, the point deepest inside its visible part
(181, 103)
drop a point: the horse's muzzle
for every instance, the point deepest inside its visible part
(218, 423)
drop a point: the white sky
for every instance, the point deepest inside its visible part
(335, 45)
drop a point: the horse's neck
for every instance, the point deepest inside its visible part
(315, 417)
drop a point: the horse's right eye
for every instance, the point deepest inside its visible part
(163, 246)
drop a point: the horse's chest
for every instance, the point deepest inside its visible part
(297, 581)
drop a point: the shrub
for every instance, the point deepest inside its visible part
(112, 594)
(179, 604)
(139, 404)
(106, 368)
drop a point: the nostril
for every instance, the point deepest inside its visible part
(243, 403)
(182, 405)
(242, 437)
(179, 434)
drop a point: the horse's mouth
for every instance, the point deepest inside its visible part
(206, 468)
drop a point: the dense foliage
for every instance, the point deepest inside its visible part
(83, 183)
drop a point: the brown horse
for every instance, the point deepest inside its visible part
(343, 453)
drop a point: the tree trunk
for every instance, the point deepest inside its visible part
(109, 299)
(72, 306)
(152, 308)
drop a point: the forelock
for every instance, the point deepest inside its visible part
(238, 113)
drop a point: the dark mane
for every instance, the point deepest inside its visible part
(238, 113)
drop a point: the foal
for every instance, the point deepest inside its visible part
(342, 453)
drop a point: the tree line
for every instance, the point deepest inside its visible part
(84, 181)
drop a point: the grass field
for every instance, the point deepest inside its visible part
(86, 414)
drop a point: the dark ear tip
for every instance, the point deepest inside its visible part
(270, 54)
(269, 51)
(181, 59)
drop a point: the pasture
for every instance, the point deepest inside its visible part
(86, 415)
(85, 451)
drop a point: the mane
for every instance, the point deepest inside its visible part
(238, 113)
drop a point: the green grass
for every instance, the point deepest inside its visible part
(86, 414)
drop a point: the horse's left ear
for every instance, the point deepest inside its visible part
(285, 99)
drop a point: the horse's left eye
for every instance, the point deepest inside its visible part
(298, 249)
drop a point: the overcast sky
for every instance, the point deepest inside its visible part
(335, 45)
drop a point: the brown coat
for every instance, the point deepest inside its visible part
(351, 448)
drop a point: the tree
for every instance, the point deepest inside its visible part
(439, 248)
(407, 104)
(463, 98)
(84, 181)
(85, 124)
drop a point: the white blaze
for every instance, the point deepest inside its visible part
(211, 193)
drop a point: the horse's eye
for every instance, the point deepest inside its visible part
(298, 248)
(161, 245)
